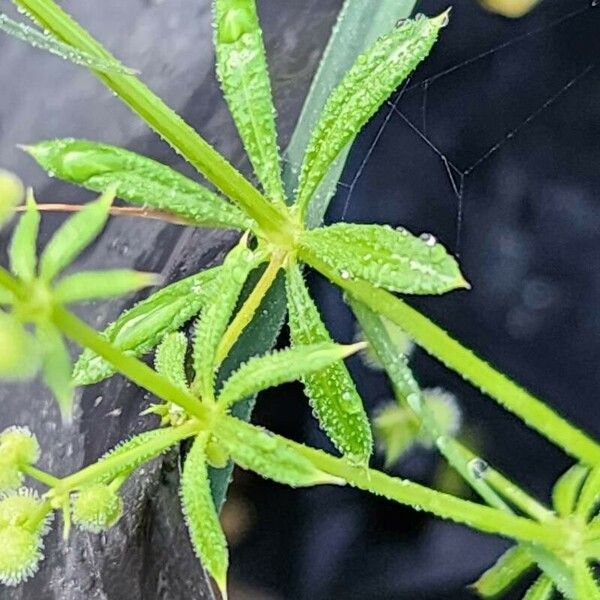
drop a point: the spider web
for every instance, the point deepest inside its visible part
(459, 172)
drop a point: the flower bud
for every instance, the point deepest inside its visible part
(18, 446)
(97, 508)
(10, 477)
(20, 554)
(17, 509)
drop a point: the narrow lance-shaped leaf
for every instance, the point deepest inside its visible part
(541, 589)
(56, 366)
(201, 515)
(11, 194)
(23, 251)
(507, 570)
(75, 234)
(19, 357)
(268, 455)
(586, 585)
(364, 88)
(566, 489)
(48, 42)
(170, 358)
(589, 498)
(389, 258)
(137, 179)
(221, 301)
(242, 71)
(331, 393)
(139, 329)
(260, 373)
(95, 285)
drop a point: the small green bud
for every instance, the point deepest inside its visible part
(399, 338)
(446, 412)
(18, 446)
(216, 455)
(16, 509)
(11, 194)
(20, 555)
(97, 508)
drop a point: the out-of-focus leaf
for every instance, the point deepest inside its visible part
(19, 355)
(389, 258)
(244, 77)
(56, 366)
(96, 285)
(260, 373)
(137, 179)
(23, 251)
(586, 585)
(142, 327)
(46, 41)
(541, 589)
(513, 9)
(589, 498)
(332, 393)
(258, 450)
(510, 567)
(566, 489)
(201, 515)
(75, 234)
(11, 194)
(364, 88)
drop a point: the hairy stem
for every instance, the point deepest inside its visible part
(477, 516)
(455, 356)
(166, 122)
(122, 460)
(131, 367)
(41, 476)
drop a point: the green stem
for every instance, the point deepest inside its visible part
(122, 460)
(249, 308)
(168, 124)
(42, 476)
(455, 356)
(477, 516)
(131, 367)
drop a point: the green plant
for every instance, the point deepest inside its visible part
(198, 398)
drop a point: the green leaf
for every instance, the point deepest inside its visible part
(586, 586)
(364, 88)
(512, 565)
(56, 367)
(385, 257)
(19, 357)
(47, 41)
(541, 589)
(332, 393)
(590, 494)
(96, 285)
(242, 71)
(6, 297)
(11, 194)
(75, 234)
(222, 298)
(262, 372)
(170, 358)
(23, 251)
(566, 489)
(139, 329)
(201, 515)
(358, 26)
(258, 450)
(137, 179)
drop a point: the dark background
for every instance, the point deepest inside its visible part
(529, 243)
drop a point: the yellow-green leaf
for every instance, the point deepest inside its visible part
(170, 358)
(75, 234)
(11, 194)
(332, 393)
(243, 73)
(23, 251)
(541, 589)
(201, 515)
(566, 489)
(389, 258)
(142, 327)
(275, 368)
(258, 450)
(513, 564)
(365, 87)
(137, 179)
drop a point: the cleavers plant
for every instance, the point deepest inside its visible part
(194, 399)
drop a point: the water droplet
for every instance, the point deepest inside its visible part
(478, 467)
(344, 274)
(428, 239)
